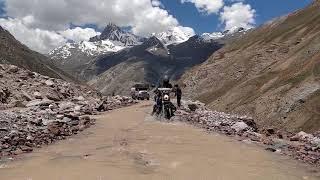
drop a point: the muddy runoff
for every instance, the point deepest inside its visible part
(129, 144)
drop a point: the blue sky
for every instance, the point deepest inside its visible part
(188, 15)
(47, 24)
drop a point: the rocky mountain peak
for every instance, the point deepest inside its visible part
(114, 33)
(153, 41)
(110, 31)
(234, 30)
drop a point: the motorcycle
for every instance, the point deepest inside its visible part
(167, 109)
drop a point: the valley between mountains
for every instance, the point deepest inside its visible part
(250, 104)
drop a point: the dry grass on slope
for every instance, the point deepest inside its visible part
(272, 74)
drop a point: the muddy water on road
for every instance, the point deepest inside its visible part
(127, 144)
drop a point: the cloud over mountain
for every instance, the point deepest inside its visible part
(206, 6)
(238, 15)
(47, 18)
(144, 16)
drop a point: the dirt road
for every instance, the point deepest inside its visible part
(128, 144)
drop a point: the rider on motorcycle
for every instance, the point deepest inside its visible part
(159, 97)
(166, 82)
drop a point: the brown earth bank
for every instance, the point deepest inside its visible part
(36, 110)
(271, 74)
(130, 144)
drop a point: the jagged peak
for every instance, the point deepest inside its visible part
(115, 33)
(111, 27)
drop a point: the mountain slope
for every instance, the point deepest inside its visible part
(146, 63)
(271, 73)
(105, 60)
(13, 52)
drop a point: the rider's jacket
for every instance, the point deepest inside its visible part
(165, 85)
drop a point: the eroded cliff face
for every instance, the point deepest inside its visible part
(272, 74)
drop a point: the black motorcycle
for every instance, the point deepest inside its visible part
(166, 108)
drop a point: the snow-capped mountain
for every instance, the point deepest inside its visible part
(112, 39)
(212, 36)
(115, 33)
(219, 35)
(176, 43)
(87, 48)
(174, 36)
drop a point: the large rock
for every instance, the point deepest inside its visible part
(240, 126)
(53, 96)
(302, 136)
(66, 105)
(43, 102)
(37, 95)
(49, 83)
(4, 95)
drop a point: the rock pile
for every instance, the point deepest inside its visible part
(302, 146)
(37, 110)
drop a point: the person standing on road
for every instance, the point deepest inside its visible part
(178, 94)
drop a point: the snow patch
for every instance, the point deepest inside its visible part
(88, 48)
(175, 35)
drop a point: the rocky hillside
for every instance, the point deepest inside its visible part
(272, 73)
(301, 146)
(13, 52)
(36, 110)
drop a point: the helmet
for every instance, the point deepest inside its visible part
(166, 79)
(166, 97)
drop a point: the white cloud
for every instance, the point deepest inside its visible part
(45, 24)
(238, 15)
(236, 0)
(41, 40)
(79, 34)
(145, 16)
(206, 6)
(157, 3)
(186, 30)
(36, 39)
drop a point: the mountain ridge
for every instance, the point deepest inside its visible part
(15, 53)
(270, 73)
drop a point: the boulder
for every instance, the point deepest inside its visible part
(37, 95)
(240, 126)
(26, 149)
(80, 98)
(66, 105)
(77, 108)
(302, 136)
(49, 83)
(193, 107)
(44, 102)
(251, 123)
(315, 142)
(55, 127)
(4, 95)
(13, 69)
(53, 96)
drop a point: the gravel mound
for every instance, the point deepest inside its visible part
(36, 110)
